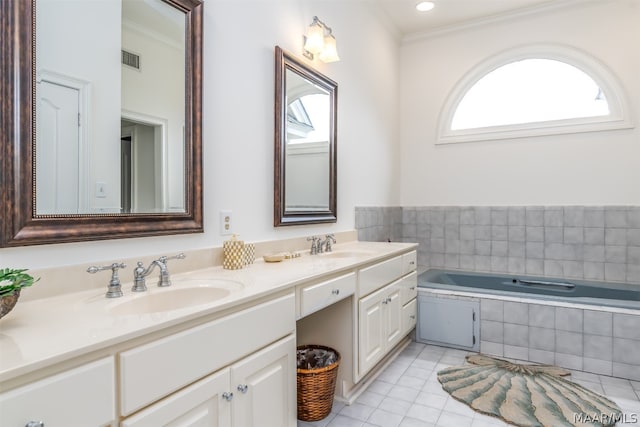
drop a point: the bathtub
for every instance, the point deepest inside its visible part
(585, 326)
(572, 291)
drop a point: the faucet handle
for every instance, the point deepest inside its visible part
(164, 259)
(115, 290)
(329, 238)
(314, 245)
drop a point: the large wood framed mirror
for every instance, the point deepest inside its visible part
(101, 133)
(305, 143)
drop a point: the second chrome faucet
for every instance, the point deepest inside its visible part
(319, 246)
(140, 273)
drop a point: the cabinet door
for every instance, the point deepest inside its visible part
(371, 330)
(409, 316)
(264, 387)
(80, 397)
(199, 405)
(392, 317)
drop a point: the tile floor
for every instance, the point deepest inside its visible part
(407, 394)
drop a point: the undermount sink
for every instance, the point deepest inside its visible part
(196, 292)
(346, 254)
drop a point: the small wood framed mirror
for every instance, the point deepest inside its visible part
(305, 143)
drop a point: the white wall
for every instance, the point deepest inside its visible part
(239, 40)
(582, 169)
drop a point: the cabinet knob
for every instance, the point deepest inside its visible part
(35, 424)
(412, 317)
(243, 388)
(335, 291)
(228, 396)
(412, 288)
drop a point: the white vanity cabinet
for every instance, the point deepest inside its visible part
(386, 308)
(80, 397)
(379, 325)
(257, 390)
(247, 360)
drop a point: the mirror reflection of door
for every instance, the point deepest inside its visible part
(142, 170)
(307, 151)
(58, 148)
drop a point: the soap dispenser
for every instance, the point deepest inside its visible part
(233, 254)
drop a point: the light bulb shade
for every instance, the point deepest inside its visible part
(330, 52)
(315, 39)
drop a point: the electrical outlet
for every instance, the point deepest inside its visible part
(226, 223)
(101, 190)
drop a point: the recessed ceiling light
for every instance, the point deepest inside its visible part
(424, 6)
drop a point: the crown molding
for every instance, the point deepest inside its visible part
(495, 19)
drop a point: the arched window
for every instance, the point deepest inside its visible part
(533, 91)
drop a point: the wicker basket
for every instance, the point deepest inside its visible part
(316, 388)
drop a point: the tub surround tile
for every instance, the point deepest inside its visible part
(594, 270)
(602, 367)
(542, 338)
(598, 347)
(633, 273)
(553, 216)
(592, 243)
(615, 236)
(598, 323)
(516, 312)
(569, 361)
(492, 331)
(633, 236)
(615, 272)
(594, 236)
(516, 352)
(542, 316)
(574, 216)
(553, 268)
(569, 319)
(536, 267)
(515, 335)
(594, 217)
(534, 250)
(534, 234)
(626, 351)
(553, 234)
(569, 343)
(615, 217)
(542, 356)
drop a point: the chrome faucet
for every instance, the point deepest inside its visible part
(315, 244)
(140, 273)
(327, 243)
(115, 290)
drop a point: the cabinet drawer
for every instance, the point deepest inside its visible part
(409, 262)
(320, 295)
(409, 286)
(83, 396)
(378, 275)
(190, 355)
(200, 403)
(409, 316)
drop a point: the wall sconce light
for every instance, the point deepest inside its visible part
(319, 41)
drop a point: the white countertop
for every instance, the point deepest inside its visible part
(46, 331)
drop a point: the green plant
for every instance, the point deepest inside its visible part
(12, 280)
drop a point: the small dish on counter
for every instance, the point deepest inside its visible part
(273, 257)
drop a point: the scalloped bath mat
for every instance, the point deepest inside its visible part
(526, 395)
